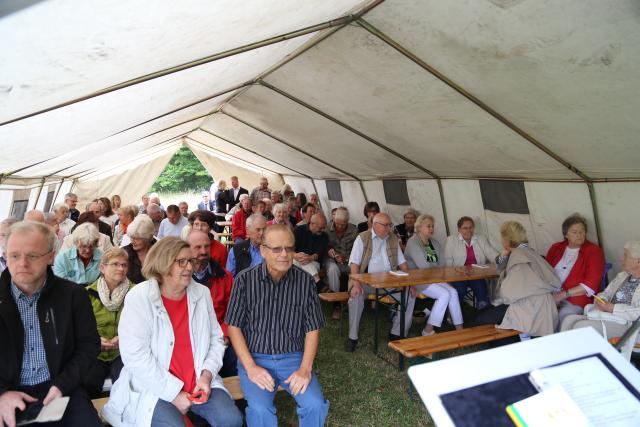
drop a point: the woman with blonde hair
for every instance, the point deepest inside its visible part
(107, 300)
(126, 215)
(171, 345)
(525, 288)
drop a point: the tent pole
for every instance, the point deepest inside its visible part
(201, 61)
(347, 127)
(364, 192)
(444, 206)
(596, 216)
(208, 150)
(55, 196)
(293, 147)
(44, 178)
(250, 151)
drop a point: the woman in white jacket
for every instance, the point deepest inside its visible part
(468, 248)
(172, 347)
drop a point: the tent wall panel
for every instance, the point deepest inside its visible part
(6, 198)
(425, 198)
(550, 203)
(221, 169)
(618, 206)
(358, 79)
(463, 198)
(241, 134)
(375, 193)
(352, 199)
(317, 135)
(298, 184)
(144, 175)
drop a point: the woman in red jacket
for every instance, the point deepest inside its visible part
(579, 264)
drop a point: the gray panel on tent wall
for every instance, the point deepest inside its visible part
(395, 192)
(504, 196)
(333, 190)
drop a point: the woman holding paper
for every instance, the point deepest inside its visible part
(423, 251)
(619, 304)
(579, 264)
(525, 288)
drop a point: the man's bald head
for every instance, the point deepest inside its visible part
(317, 223)
(35, 216)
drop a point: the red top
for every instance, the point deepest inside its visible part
(239, 225)
(221, 294)
(588, 269)
(218, 252)
(181, 365)
(85, 261)
(471, 255)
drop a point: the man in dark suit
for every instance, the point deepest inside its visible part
(206, 204)
(235, 191)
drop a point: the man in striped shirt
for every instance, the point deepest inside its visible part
(274, 320)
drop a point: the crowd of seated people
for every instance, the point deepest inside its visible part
(130, 274)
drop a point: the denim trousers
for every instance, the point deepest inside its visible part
(479, 288)
(218, 411)
(312, 407)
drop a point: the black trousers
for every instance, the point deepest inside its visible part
(493, 315)
(79, 412)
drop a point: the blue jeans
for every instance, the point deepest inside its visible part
(218, 411)
(479, 288)
(312, 407)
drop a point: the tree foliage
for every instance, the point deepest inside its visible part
(184, 172)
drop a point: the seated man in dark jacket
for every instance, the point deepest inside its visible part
(47, 330)
(247, 253)
(312, 244)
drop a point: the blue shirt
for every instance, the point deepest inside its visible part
(68, 265)
(256, 258)
(34, 369)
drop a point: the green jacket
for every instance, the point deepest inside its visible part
(106, 320)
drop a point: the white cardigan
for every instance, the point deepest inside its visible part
(455, 253)
(146, 346)
(628, 312)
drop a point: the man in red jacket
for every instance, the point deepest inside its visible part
(239, 220)
(209, 273)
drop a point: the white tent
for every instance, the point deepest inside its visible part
(439, 96)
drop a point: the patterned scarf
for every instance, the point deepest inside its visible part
(113, 301)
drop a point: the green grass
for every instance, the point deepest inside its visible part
(363, 389)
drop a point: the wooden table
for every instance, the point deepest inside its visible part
(387, 284)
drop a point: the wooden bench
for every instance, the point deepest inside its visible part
(424, 346)
(232, 384)
(344, 297)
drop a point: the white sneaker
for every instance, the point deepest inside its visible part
(427, 334)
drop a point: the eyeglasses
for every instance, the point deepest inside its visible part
(278, 250)
(30, 257)
(384, 224)
(117, 265)
(182, 262)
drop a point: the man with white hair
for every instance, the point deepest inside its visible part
(342, 234)
(262, 191)
(71, 200)
(65, 223)
(155, 213)
(237, 207)
(246, 253)
(374, 250)
(47, 330)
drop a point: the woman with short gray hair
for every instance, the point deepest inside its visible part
(618, 305)
(80, 263)
(140, 233)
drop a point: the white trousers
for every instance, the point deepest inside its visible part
(445, 296)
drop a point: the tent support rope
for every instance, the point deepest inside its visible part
(485, 107)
